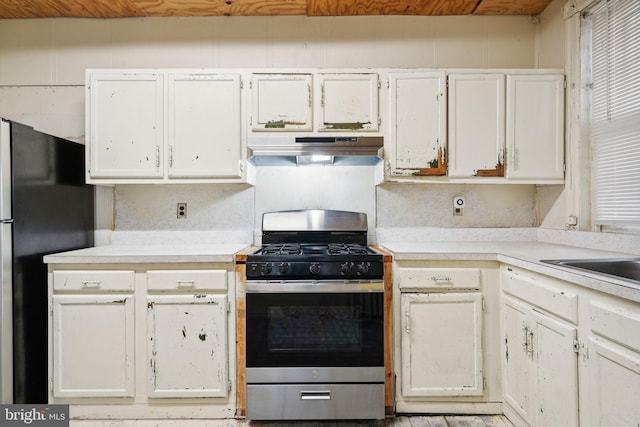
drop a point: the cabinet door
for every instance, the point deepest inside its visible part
(418, 123)
(476, 125)
(535, 126)
(281, 102)
(615, 384)
(93, 346)
(349, 102)
(517, 364)
(556, 366)
(442, 344)
(124, 128)
(204, 139)
(187, 346)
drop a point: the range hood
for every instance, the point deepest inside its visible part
(290, 150)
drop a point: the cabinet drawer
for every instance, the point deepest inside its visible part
(93, 280)
(554, 299)
(438, 278)
(616, 323)
(187, 280)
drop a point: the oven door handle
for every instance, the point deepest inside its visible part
(328, 286)
(315, 395)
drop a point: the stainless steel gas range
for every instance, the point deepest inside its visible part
(314, 319)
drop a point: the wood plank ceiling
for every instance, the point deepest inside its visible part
(17, 9)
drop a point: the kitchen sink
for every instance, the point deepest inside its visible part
(621, 268)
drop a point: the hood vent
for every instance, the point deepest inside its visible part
(316, 150)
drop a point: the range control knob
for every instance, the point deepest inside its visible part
(266, 268)
(346, 267)
(283, 267)
(314, 268)
(363, 267)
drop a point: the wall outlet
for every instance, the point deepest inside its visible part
(182, 210)
(458, 205)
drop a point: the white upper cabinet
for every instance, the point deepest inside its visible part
(348, 102)
(204, 130)
(476, 125)
(418, 119)
(535, 126)
(308, 102)
(125, 125)
(164, 126)
(281, 102)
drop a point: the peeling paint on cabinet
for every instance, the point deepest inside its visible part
(188, 345)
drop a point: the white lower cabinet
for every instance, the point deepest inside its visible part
(187, 345)
(447, 357)
(540, 366)
(92, 334)
(93, 345)
(612, 356)
(442, 344)
(540, 362)
(136, 341)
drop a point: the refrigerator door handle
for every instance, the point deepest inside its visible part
(6, 221)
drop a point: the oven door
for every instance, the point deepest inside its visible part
(308, 324)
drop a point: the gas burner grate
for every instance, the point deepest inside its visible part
(284, 249)
(346, 249)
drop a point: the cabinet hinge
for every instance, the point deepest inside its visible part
(564, 167)
(388, 84)
(229, 386)
(228, 307)
(379, 121)
(250, 84)
(580, 349)
(51, 384)
(240, 166)
(379, 84)
(241, 83)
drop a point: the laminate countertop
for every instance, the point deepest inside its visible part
(526, 255)
(180, 253)
(522, 254)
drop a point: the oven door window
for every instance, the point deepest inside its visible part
(315, 329)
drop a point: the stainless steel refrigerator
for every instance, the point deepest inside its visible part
(45, 207)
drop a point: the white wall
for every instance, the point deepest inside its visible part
(42, 65)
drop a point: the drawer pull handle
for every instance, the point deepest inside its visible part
(315, 395)
(186, 283)
(91, 283)
(442, 279)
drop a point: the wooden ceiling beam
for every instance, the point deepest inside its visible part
(12, 9)
(511, 7)
(222, 7)
(16, 9)
(395, 7)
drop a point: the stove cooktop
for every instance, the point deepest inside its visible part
(314, 261)
(330, 249)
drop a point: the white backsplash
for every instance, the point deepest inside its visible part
(350, 188)
(148, 213)
(487, 206)
(233, 211)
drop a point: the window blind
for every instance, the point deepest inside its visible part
(615, 112)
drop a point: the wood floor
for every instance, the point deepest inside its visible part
(412, 421)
